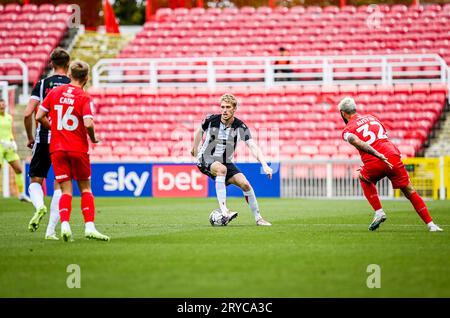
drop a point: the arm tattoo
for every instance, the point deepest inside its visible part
(363, 146)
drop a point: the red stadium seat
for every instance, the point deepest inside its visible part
(301, 132)
(96, 91)
(385, 89)
(407, 150)
(438, 87)
(300, 112)
(11, 8)
(64, 8)
(47, 8)
(33, 32)
(402, 88)
(421, 88)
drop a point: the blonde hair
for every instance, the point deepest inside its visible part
(229, 98)
(347, 105)
(79, 70)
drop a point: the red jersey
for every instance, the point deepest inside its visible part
(67, 106)
(368, 128)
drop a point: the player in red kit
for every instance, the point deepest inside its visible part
(380, 158)
(69, 109)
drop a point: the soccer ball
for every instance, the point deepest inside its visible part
(216, 218)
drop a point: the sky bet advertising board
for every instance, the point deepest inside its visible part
(167, 180)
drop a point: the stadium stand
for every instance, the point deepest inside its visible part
(92, 46)
(309, 125)
(303, 31)
(156, 124)
(440, 146)
(30, 33)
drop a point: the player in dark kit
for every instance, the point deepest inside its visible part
(40, 162)
(380, 158)
(223, 132)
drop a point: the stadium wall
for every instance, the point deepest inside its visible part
(291, 179)
(165, 180)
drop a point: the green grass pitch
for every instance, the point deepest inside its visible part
(166, 248)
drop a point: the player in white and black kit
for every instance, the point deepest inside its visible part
(40, 162)
(223, 132)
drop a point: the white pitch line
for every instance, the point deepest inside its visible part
(301, 224)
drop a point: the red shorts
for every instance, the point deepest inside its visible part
(70, 165)
(376, 171)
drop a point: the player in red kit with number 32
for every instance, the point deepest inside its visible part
(380, 158)
(69, 109)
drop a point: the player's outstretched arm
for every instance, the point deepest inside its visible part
(89, 124)
(41, 117)
(28, 120)
(197, 138)
(257, 153)
(365, 147)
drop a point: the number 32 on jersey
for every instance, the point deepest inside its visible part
(369, 130)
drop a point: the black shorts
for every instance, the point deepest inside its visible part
(40, 162)
(205, 168)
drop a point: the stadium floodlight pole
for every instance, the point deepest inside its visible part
(415, 2)
(342, 3)
(272, 3)
(199, 3)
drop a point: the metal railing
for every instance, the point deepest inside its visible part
(230, 71)
(322, 178)
(5, 175)
(338, 178)
(22, 77)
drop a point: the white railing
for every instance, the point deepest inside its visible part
(448, 84)
(230, 71)
(335, 178)
(4, 86)
(5, 170)
(22, 77)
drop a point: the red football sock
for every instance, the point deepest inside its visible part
(420, 207)
(371, 194)
(65, 207)
(87, 206)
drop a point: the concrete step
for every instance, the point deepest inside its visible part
(440, 145)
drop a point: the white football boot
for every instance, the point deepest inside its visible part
(262, 222)
(434, 228)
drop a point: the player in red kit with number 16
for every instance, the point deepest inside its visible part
(70, 111)
(380, 158)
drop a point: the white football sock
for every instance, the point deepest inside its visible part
(89, 226)
(380, 212)
(36, 195)
(221, 192)
(54, 212)
(65, 226)
(253, 203)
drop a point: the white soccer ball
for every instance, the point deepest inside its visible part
(216, 218)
